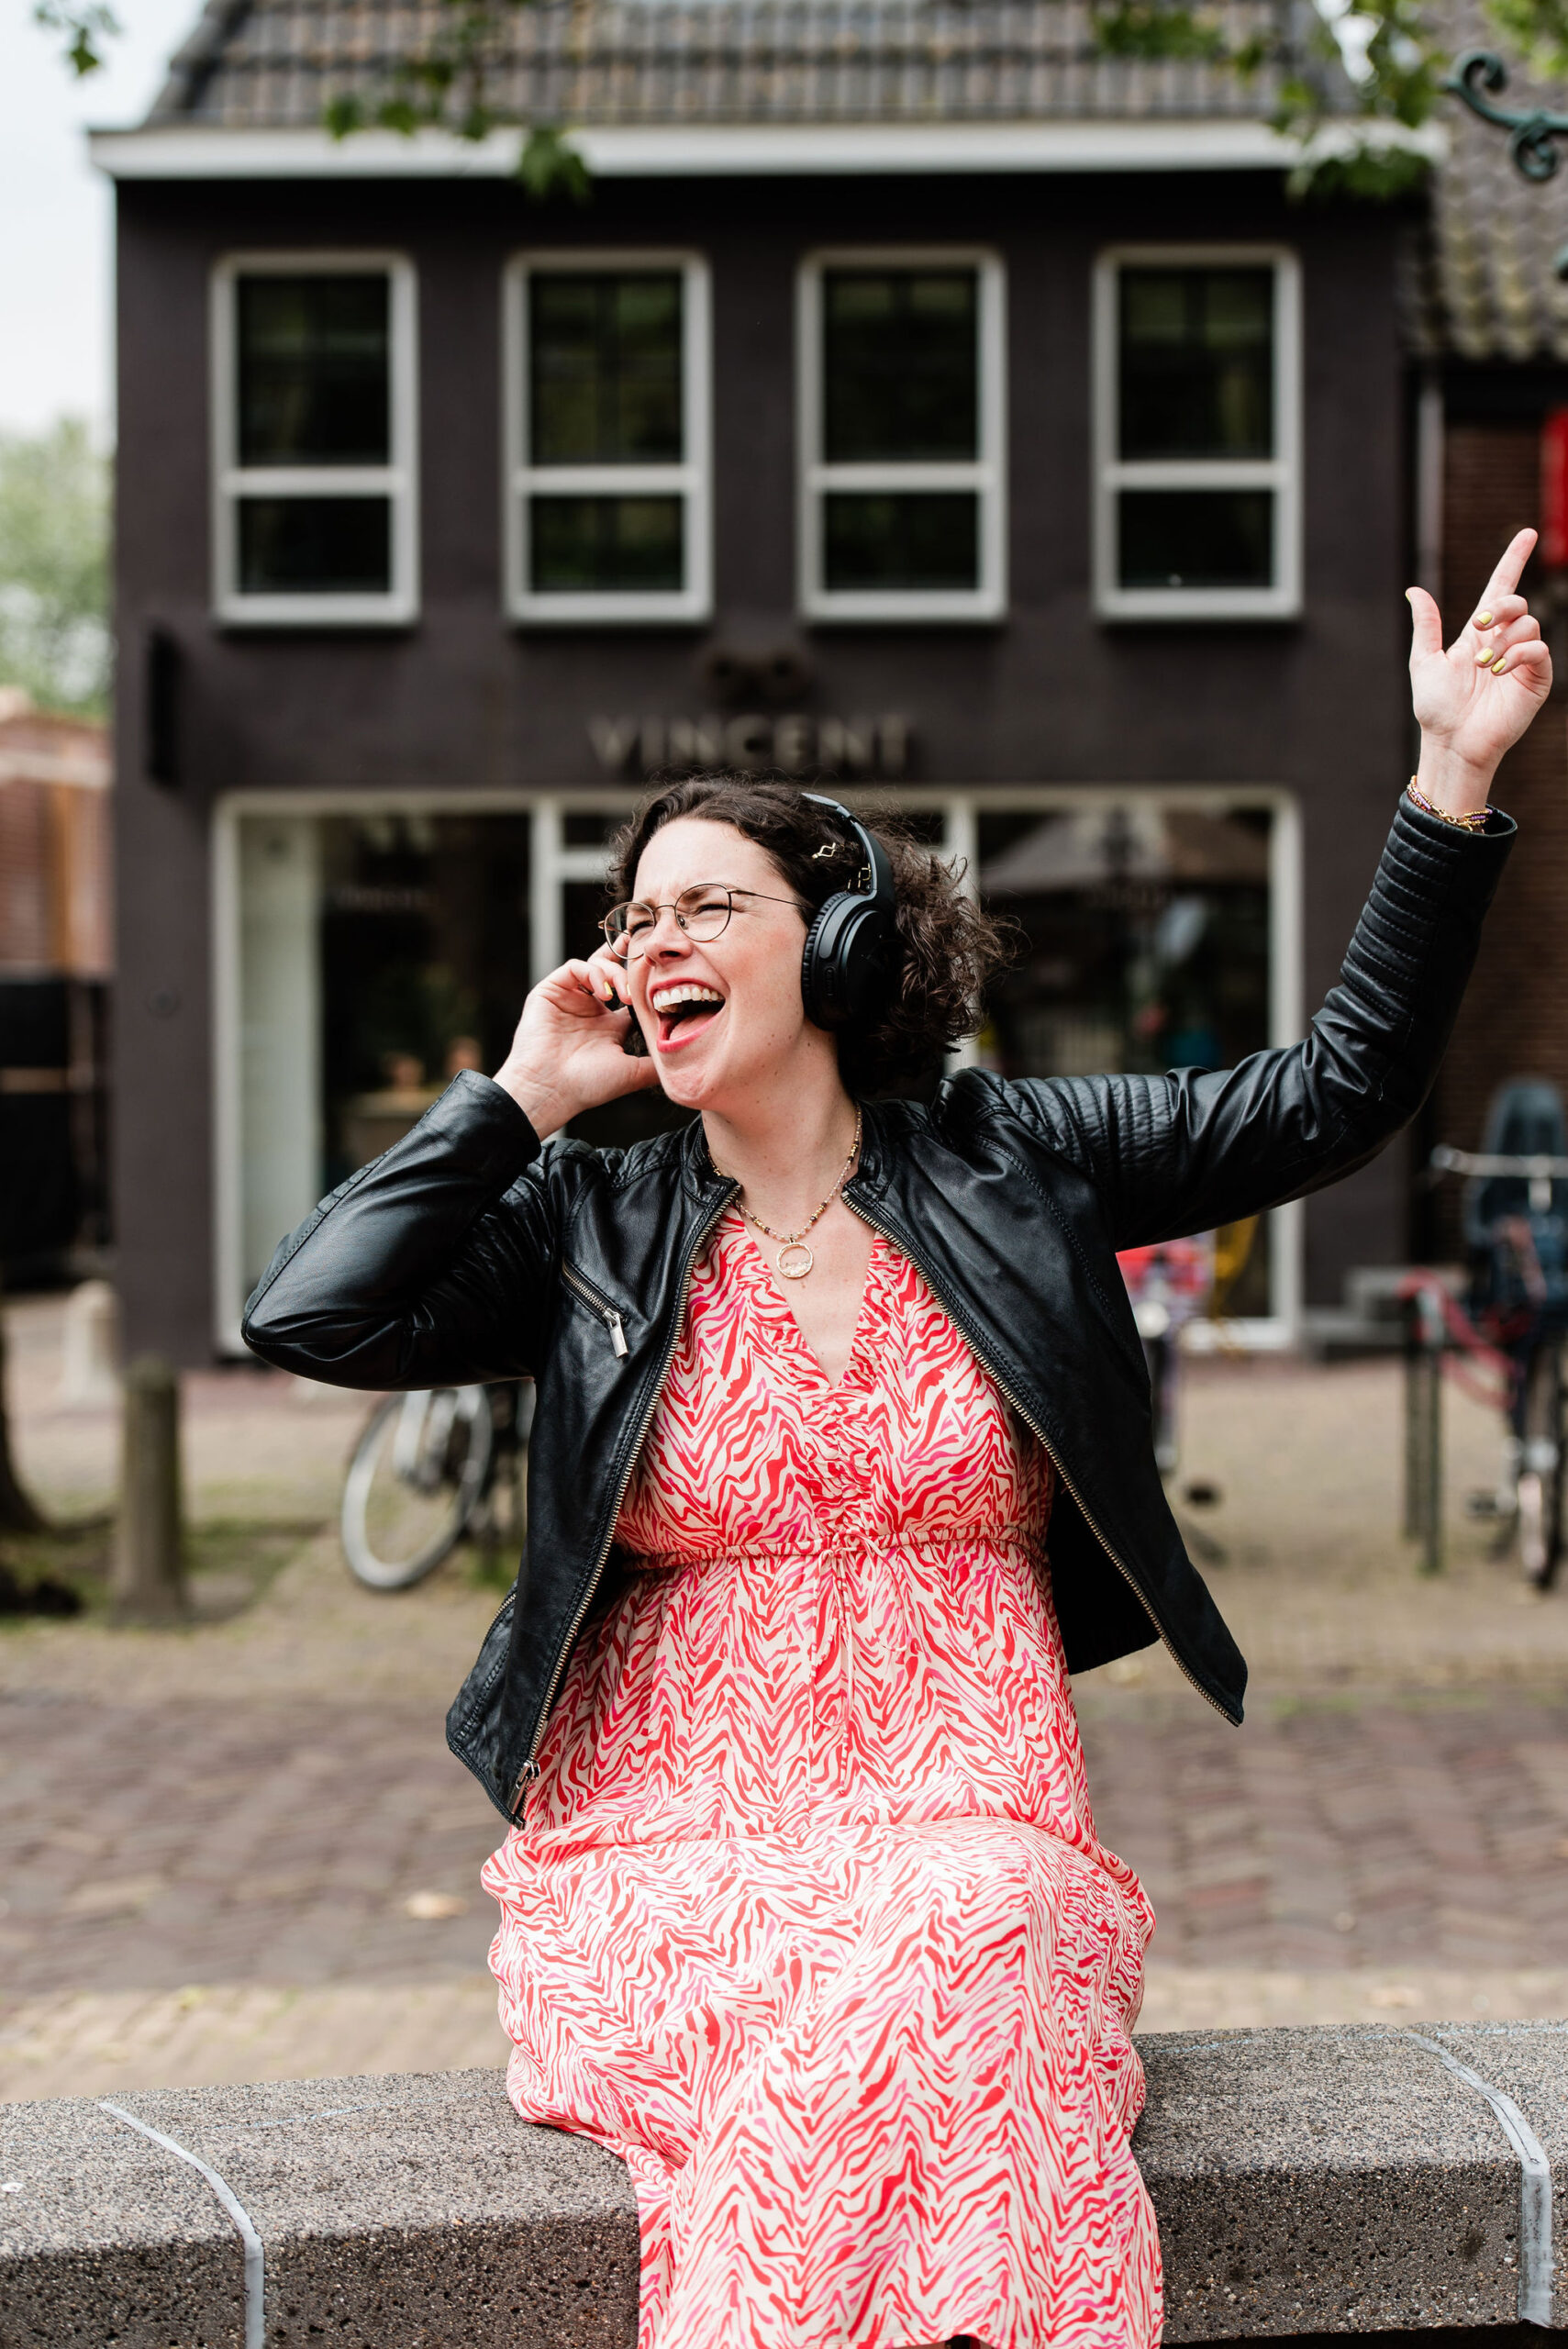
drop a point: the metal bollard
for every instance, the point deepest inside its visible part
(1423, 1427)
(149, 1578)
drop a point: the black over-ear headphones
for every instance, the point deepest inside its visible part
(848, 964)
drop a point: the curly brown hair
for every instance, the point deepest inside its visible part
(949, 947)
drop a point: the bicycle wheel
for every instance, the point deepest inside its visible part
(1541, 1468)
(500, 1516)
(415, 1474)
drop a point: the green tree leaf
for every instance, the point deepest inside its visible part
(87, 26)
(1537, 30)
(1385, 50)
(54, 541)
(446, 82)
(1156, 29)
(550, 165)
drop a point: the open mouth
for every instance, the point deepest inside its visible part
(684, 1012)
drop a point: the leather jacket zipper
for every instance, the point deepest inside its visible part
(529, 1771)
(597, 1304)
(981, 1355)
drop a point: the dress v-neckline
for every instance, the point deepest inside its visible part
(780, 1317)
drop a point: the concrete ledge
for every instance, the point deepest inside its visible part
(1308, 2182)
(1347, 2182)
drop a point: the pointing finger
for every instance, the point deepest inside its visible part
(1505, 577)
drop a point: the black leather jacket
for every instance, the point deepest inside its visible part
(468, 1252)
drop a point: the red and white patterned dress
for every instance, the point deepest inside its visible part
(809, 1921)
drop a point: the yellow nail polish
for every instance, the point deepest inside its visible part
(1486, 657)
(1498, 666)
(1483, 620)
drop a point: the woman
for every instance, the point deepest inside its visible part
(803, 1911)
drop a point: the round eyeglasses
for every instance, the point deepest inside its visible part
(702, 912)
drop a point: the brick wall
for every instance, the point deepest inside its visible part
(26, 866)
(1515, 1019)
(55, 897)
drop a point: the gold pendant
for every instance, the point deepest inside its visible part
(796, 1271)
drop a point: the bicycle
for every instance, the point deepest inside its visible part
(429, 1469)
(1516, 1224)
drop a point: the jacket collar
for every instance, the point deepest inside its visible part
(877, 1149)
(702, 1181)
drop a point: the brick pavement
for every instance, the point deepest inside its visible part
(223, 1843)
(220, 1844)
(1424, 1829)
(209, 1839)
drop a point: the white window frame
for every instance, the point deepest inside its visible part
(1282, 473)
(397, 480)
(985, 473)
(691, 479)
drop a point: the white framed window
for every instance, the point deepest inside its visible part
(608, 437)
(902, 407)
(1197, 432)
(315, 518)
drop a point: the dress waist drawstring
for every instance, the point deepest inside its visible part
(840, 1565)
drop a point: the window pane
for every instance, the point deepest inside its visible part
(1197, 537)
(901, 365)
(314, 546)
(605, 369)
(423, 930)
(1146, 931)
(590, 828)
(1197, 362)
(314, 371)
(604, 543)
(872, 540)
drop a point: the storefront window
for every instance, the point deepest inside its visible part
(379, 954)
(1146, 931)
(375, 953)
(424, 926)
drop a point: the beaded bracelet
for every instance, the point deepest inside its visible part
(1476, 821)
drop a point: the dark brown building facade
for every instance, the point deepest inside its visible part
(995, 438)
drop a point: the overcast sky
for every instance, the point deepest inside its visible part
(56, 213)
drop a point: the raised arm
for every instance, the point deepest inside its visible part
(1197, 1148)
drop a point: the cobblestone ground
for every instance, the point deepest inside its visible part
(240, 1849)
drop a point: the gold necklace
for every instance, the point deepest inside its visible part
(792, 1244)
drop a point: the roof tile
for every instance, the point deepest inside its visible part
(272, 63)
